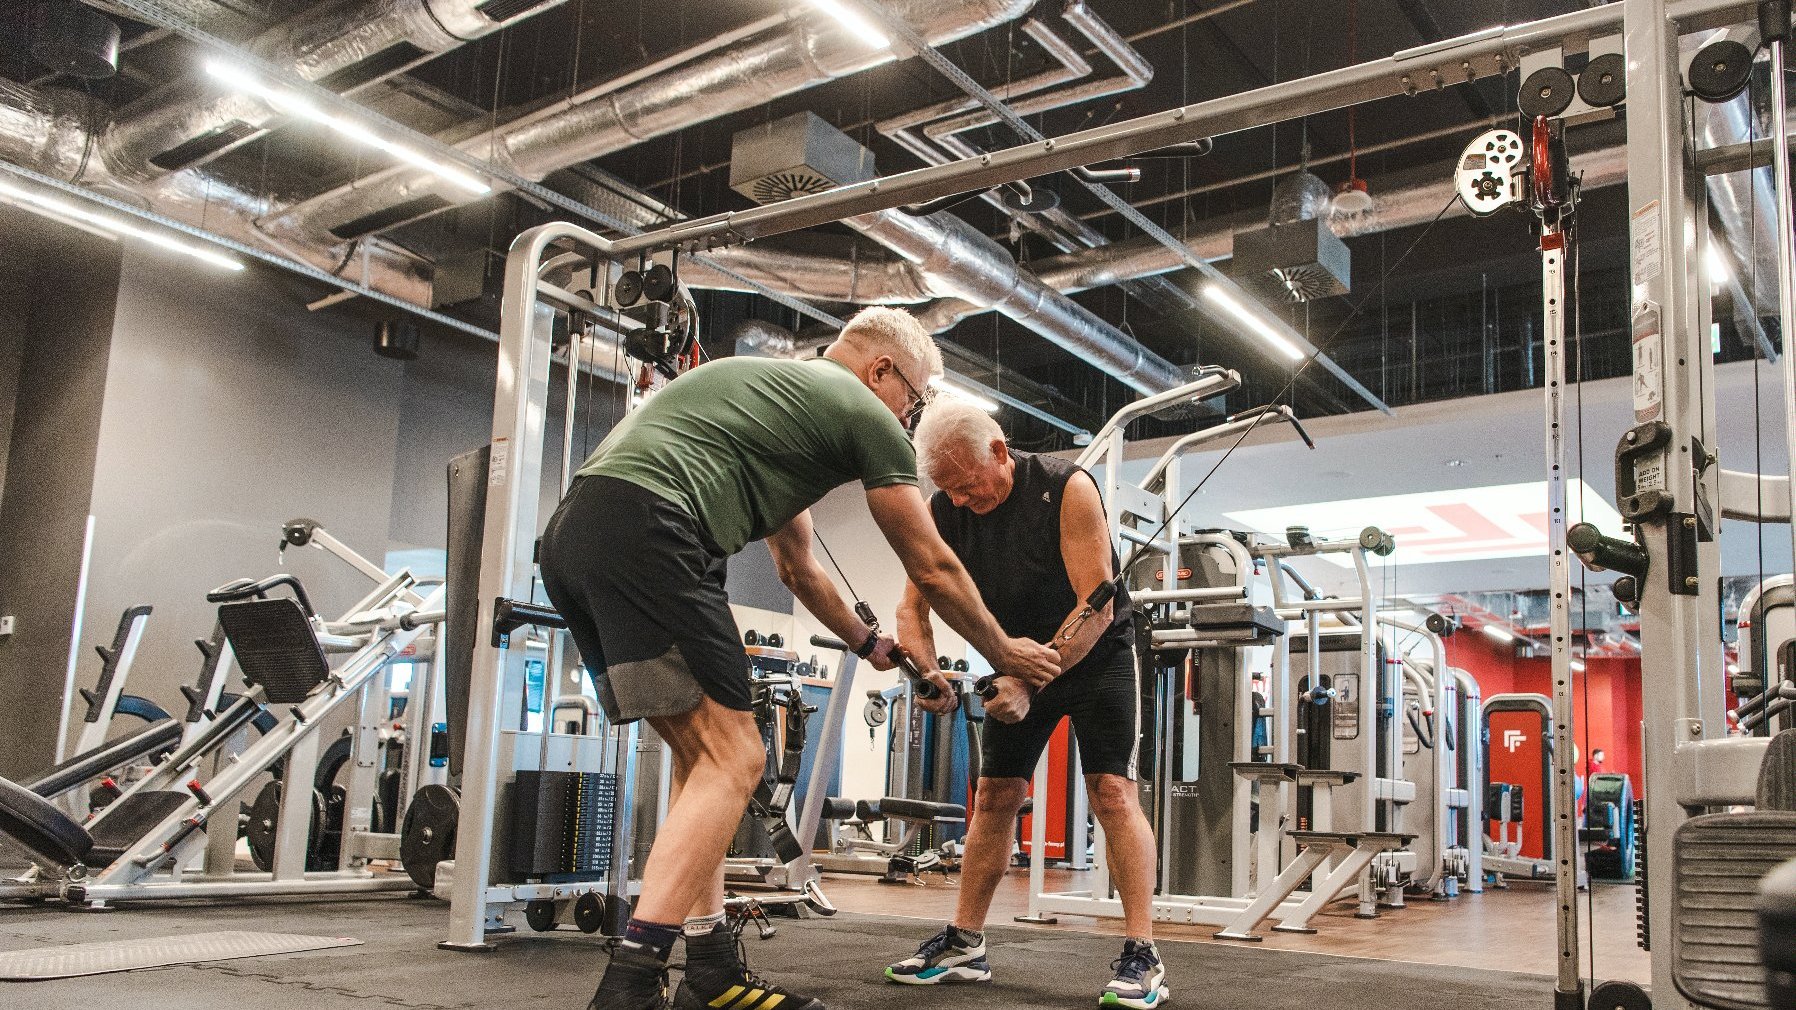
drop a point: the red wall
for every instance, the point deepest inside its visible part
(1611, 719)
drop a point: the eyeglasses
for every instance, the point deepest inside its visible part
(918, 400)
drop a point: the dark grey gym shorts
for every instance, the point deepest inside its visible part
(642, 589)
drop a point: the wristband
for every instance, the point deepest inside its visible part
(867, 647)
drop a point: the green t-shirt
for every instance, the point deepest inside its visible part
(744, 444)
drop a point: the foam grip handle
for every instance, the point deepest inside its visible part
(924, 687)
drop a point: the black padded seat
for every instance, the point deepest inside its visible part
(128, 820)
(40, 828)
(921, 810)
(152, 741)
(275, 648)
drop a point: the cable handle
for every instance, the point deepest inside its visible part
(924, 687)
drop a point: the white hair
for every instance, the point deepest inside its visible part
(950, 428)
(880, 330)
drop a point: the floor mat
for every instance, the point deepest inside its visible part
(154, 952)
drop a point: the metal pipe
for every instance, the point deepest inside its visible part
(799, 54)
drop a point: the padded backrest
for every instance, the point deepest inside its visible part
(275, 648)
(1777, 773)
(1718, 863)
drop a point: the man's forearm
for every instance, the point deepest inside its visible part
(1074, 652)
(951, 593)
(916, 632)
(818, 594)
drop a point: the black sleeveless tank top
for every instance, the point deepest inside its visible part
(1013, 556)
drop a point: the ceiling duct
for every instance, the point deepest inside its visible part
(340, 45)
(72, 38)
(953, 257)
(1296, 257)
(798, 53)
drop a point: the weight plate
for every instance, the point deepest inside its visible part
(1604, 81)
(1547, 92)
(658, 283)
(589, 913)
(776, 641)
(751, 637)
(628, 289)
(1720, 71)
(1619, 996)
(428, 836)
(264, 813)
(331, 762)
(960, 666)
(540, 914)
(263, 830)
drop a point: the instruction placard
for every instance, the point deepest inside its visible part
(1649, 245)
(1649, 364)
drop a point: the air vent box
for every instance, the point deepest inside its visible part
(795, 156)
(1298, 262)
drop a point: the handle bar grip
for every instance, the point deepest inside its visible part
(249, 589)
(821, 642)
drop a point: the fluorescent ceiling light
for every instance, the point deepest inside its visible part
(1252, 320)
(290, 104)
(958, 393)
(1431, 527)
(112, 223)
(1498, 633)
(853, 20)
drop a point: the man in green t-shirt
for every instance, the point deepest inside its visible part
(733, 451)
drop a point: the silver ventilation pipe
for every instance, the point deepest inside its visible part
(343, 45)
(960, 261)
(799, 54)
(1745, 201)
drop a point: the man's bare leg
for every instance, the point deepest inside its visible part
(723, 758)
(988, 844)
(1129, 844)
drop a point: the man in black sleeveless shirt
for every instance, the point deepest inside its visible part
(1031, 532)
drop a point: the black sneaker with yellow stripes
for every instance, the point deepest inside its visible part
(716, 979)
(636, 980)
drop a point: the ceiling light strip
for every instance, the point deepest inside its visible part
(948, 69)
(154, 13)
(295, 266)
(43, 203)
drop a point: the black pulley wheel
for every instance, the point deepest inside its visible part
(1719, 71)
(589, 912)
(658, 283)
(1547, 92)
(428, 836)
(540, 914)
(628, 289)
(1619, 996)
(1604, 81)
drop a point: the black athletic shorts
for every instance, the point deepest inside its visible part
(1103, 698)
(641, 587)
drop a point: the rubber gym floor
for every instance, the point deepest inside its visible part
(837, 959)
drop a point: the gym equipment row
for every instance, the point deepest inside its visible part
(173, 833)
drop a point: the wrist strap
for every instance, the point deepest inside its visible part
(866, 647)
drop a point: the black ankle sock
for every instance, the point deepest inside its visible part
(656, 938)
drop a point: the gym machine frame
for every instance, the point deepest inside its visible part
(480, 897)
(1690, 704)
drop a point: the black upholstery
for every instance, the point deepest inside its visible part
(128, 820)
(151, 741)
(42, 830)
(921, 810)
(835, 808)
(275, 648)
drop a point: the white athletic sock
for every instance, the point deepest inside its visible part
(702, 925)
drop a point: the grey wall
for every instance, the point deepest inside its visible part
(68, 279)
(14, 300)
(228, 410)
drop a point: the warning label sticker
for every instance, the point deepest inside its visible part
(1649, 364)
(1649, 246)
(501, 464)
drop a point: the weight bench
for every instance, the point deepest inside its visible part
(913, 815)
(1358, 848)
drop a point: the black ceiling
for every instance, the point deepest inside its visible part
(1199, 51)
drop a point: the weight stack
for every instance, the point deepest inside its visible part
(561, 824)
